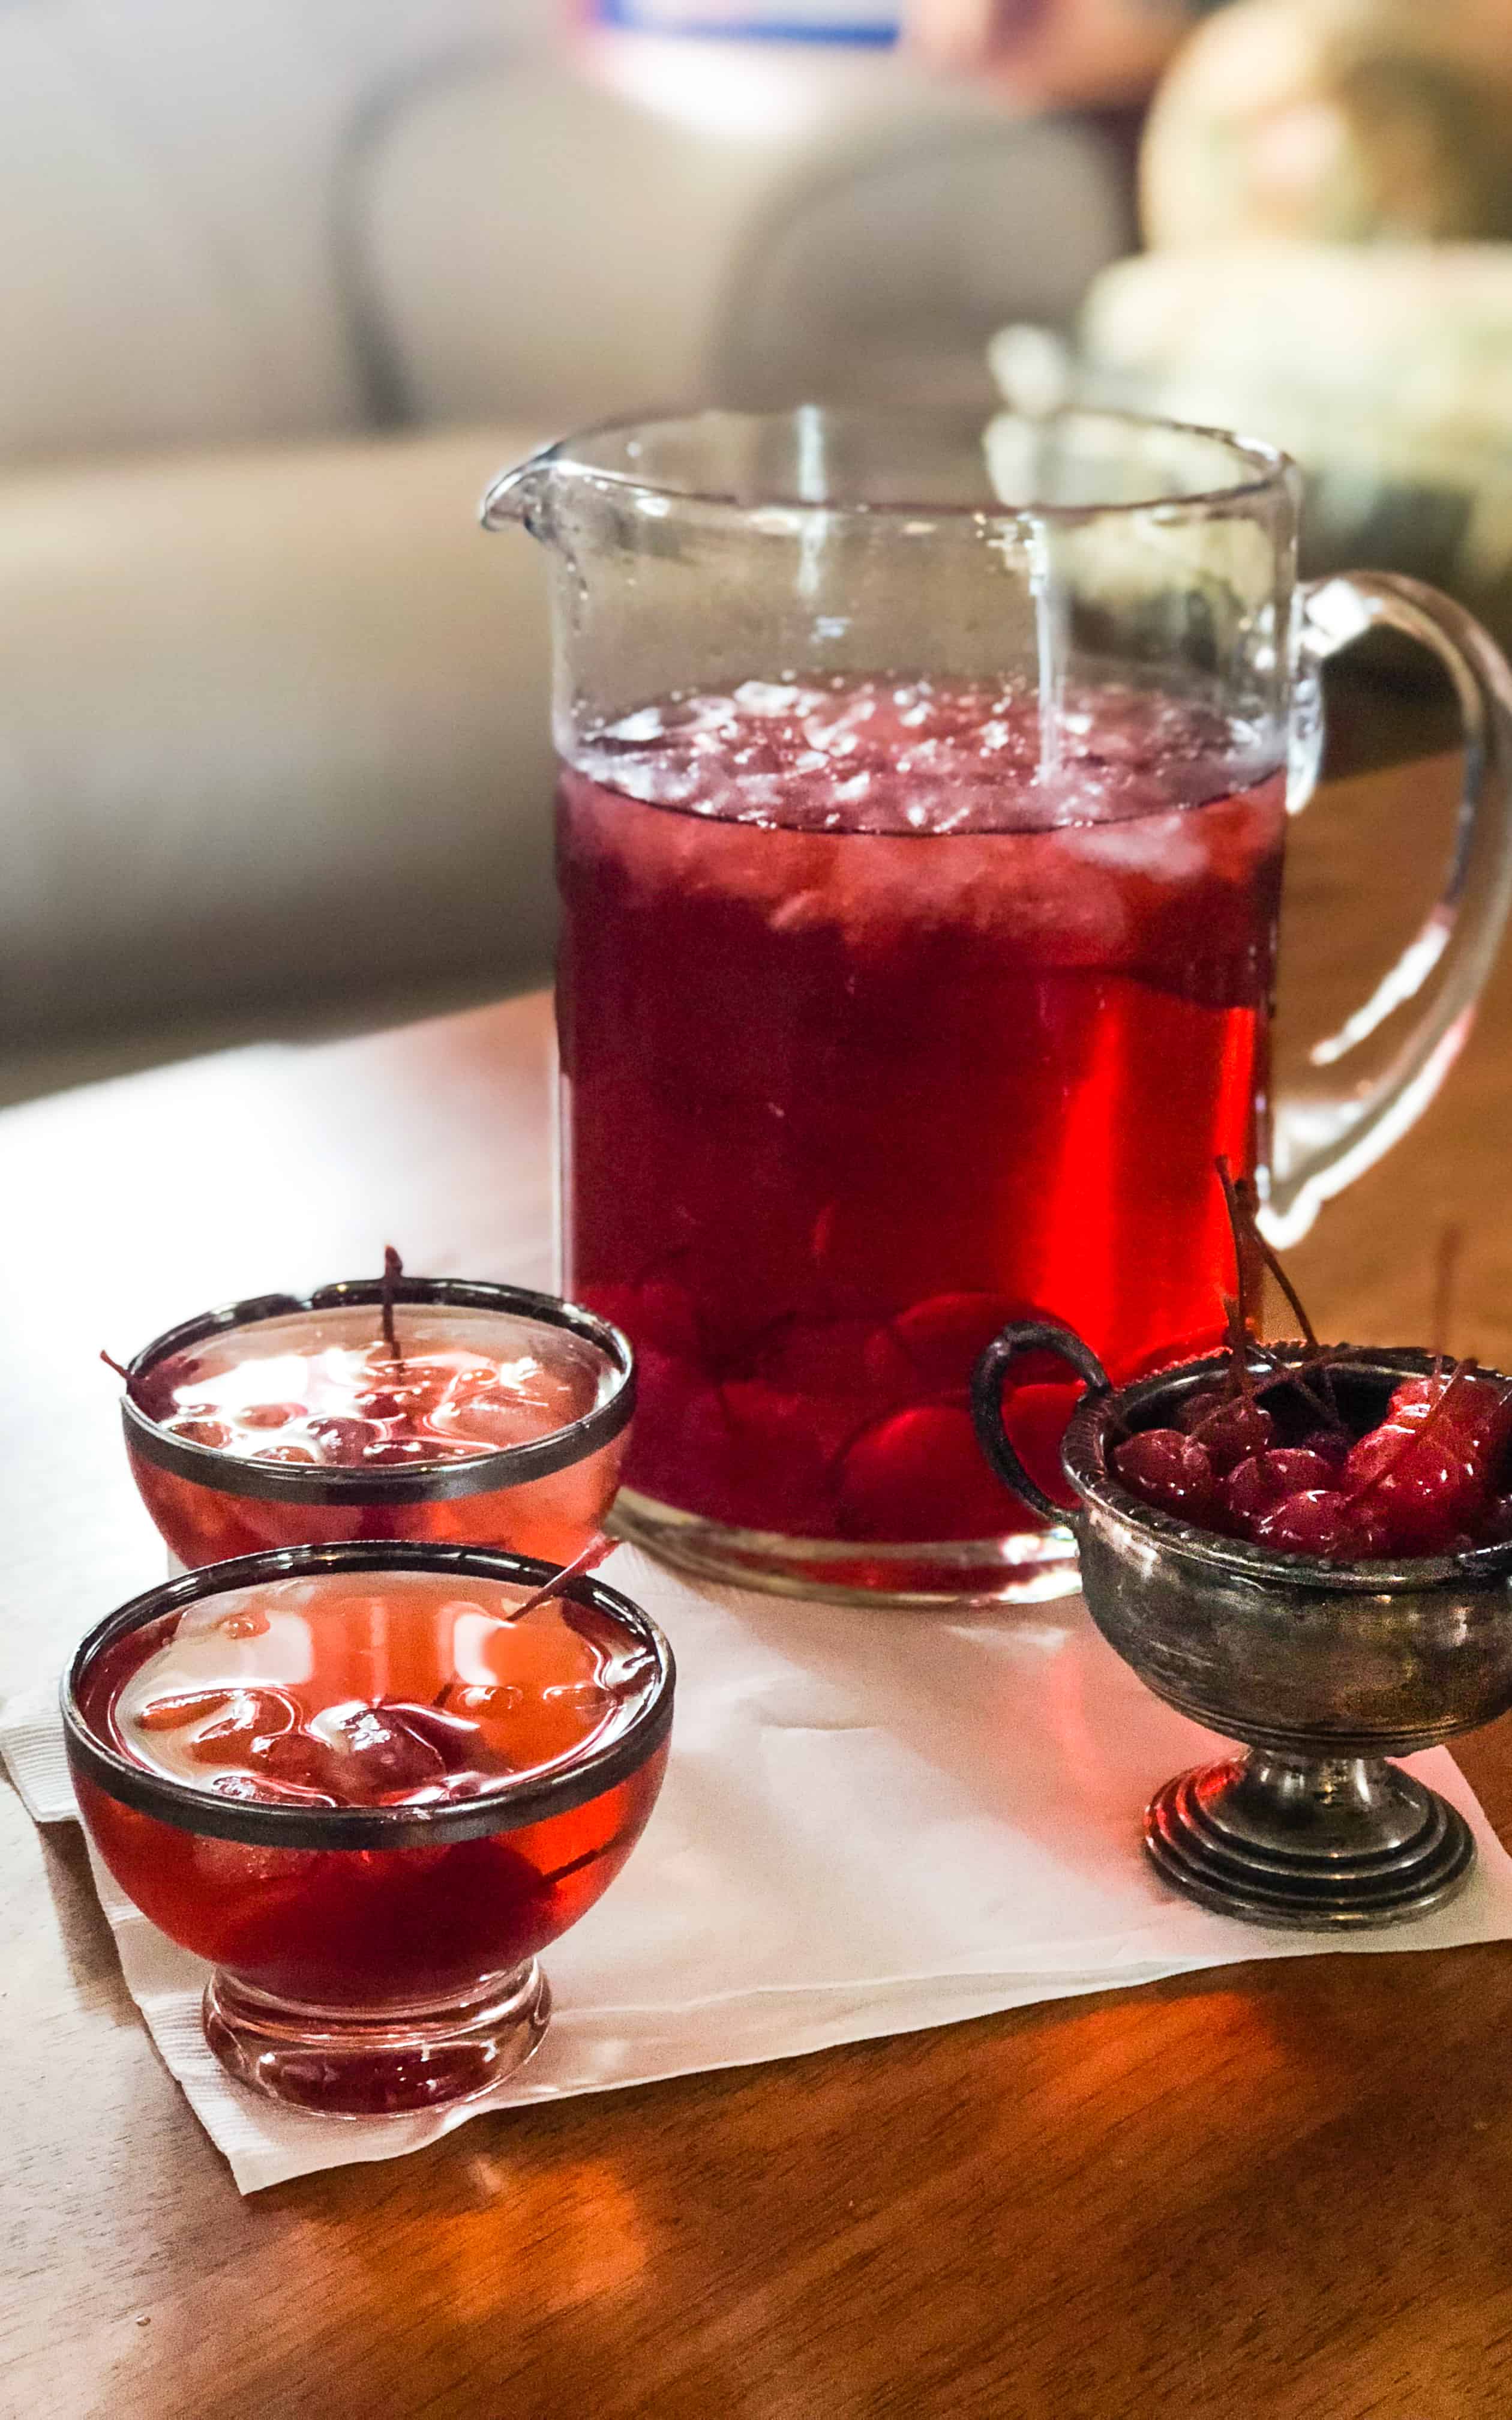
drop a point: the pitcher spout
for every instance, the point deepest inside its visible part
(521, 497)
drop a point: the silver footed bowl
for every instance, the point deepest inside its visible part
(1323, 1670)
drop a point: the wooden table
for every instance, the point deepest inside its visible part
(1279, 2190)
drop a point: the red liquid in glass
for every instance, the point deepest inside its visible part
(382, 1689)
(318, 1390)
(877, 1032)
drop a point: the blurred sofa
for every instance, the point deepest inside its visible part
(293, 278)
(274, 728)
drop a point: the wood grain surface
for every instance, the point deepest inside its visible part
(1279, 2190)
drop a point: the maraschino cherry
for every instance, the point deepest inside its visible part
(1430, 1478)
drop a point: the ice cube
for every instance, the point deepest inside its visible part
(774, 697)
(246, 1714)
(628, 1671)
(482, 1704)
(489, 1712)
(494, 1416)
(583, 1696)
(261, 1789)
(631, 729)
(177, 1714)
(524, 1399)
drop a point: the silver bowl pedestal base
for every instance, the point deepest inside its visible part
(1314, 1843)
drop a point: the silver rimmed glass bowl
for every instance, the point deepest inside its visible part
(373, 1940)
(1324, 1671)
(544, 1494)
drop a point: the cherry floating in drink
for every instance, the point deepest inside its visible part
(400, 1407)
(875, 1036)
(369, 1784)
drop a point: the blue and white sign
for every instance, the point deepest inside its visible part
(859, 23)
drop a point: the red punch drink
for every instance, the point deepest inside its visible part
(369, 1791)
(495, 1418)
(879, 1030)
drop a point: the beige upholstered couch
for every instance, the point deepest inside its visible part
(283, 281)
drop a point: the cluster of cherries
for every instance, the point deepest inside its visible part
(1426, 1480)
(1270, 1456)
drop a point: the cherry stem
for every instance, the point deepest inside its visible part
(1445, 1276)
(1237, 1314)
(1458, 1376)
(393, 1272)
(1251, 1251)
(1273, 1263)
(124, 1374)
(1297, 1374)
(590, 1557)
(1239, 1340)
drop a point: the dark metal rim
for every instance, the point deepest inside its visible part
(419, 1482)
(1085, 1451)
(505, 1809)
(988, 1378)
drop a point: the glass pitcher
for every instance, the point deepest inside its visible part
(920, 827)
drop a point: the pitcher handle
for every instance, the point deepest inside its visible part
(1322, 1144)
(987, 1379)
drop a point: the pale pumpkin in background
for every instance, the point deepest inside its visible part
(1386, 371)
(1334, 121)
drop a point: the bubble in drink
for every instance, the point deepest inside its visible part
(248, 1623)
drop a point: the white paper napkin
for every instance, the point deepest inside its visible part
(871, 1821)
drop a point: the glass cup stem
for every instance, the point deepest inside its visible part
(376, 2063)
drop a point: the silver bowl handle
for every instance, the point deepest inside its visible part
(1024, 1336)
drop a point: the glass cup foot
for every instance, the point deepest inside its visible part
(345, 2064)
(1311, 1843)
(1023, 1570)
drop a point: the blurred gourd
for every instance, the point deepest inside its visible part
(1334, 121)
(1326, 188)
(1385, 370)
